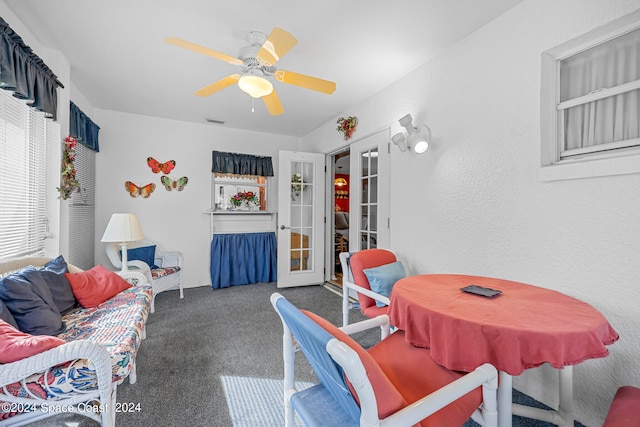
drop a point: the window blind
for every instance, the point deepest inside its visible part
(82, 210)
(23, 134)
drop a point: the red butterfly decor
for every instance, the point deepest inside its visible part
(135, 191)
(156, 166)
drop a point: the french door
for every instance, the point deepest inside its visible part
(300, 219)
(369, 193)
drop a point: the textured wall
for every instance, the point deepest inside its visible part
(474, 203)
(176, 220)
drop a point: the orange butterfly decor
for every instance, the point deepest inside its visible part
(170, 184)
(135, 191)
(156, 166)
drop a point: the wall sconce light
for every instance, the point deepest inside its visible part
(417, 137)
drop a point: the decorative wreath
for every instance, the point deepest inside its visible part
(68, 181)
(347, 126)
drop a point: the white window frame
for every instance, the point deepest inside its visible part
(620, 157)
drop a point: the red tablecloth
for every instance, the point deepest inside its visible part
(521, 328)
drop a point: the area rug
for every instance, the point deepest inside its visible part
(256, 402)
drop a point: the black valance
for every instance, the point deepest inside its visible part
(24, 73)
(241, 164)
(82, 128)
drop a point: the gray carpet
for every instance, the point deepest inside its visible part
(193, 345)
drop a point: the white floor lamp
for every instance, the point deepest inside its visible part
(123, 228)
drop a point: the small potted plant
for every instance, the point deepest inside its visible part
(296, 185)
(244, 200)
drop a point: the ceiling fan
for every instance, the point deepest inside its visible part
(256, 68)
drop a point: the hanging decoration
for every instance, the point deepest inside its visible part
(157, 167)
(177, 184)
(347, 126)
(135, 191)
(68, 181)
(297, 186)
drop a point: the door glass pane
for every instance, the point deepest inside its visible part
(373, 161)
(365, 190)
(373, 218)
(301, 216)
(373, 189)
(368, 220)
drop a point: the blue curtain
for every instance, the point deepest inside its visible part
(24, 73)
(82, 128)
(241, 164)
(241, 259)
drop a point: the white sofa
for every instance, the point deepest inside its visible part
(99, 353)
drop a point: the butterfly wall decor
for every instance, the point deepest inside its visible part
(157, 167)
(135, 191)
(170, 184)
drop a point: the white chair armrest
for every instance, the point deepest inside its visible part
(368, 292)
(170, 259)
(381, 321)
(134, 277)
(81, 349)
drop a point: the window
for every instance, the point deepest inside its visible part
(233, 192)
(82, 210)
(591, 104)
(23, 185)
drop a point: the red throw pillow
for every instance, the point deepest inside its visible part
(16, 345)
(93, 287)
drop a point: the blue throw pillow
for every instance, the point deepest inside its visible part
(6, 315)
(29, 300)
(53, 275)
(146, 254)
(381, 279)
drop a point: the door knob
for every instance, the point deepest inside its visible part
(282, 227)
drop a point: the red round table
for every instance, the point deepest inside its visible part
(522, 327)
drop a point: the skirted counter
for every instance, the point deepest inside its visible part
(243, 258)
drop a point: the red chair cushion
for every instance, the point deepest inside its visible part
(625, 409)
(388, 398)
(359, 262)
(414, 374)
(401, 374)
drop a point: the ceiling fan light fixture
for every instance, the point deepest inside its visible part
(255, 86)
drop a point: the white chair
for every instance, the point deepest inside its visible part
(390, 384)
(354, 281)
(167, 276)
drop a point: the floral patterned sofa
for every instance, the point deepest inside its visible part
(81, 373)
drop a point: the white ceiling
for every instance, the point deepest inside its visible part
(120, 62)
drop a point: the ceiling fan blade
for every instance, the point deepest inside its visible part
(204, 50)
(219, 85)
(272, 102)
(278, 43)
(307, 82)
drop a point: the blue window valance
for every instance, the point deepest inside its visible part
(242, 164)
(24, 73)
(83, 129)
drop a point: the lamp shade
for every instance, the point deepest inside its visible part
(255, 86)
(123, 227)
